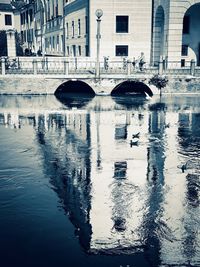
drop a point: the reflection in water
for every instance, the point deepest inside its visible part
(121, 199)
(67, 163)
(73, 100)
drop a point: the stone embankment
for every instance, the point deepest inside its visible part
(38, 85)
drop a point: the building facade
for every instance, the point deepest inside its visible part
(125, 28)
(9, 16)
(176, 31)
(161, 29)
(53, 28)
(27, 27)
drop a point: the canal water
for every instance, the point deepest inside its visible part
(104, 182)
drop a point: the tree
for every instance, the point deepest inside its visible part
(159, 81)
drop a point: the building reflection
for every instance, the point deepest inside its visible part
(119, 198)
(64, 142)
(189, 137)
(152, 231)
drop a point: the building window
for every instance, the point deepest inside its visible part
(122, 24)
(120, 169)
(72, 29)
(21, 19)
(184, 50)
(46, 43)
(68, 51)
(79, 50)
(27, 16)
(86, 25)
(67, 30)
(31, 15)
(79, 27)
(87, 51)
(182, 62)
(8, 19)
(62, 44)
(57, 45)
(53, 43)
(121, 132)
(121, 50)
(22, 36)
(56, 8)
(74, 50)
(186, 25)
(50, 43)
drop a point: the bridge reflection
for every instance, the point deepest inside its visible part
(120, 198)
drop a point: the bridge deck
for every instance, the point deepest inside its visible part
(87, 67)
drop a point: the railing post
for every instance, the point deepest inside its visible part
(160, 66)
(66, 67)
(34, 67)
(128, 67)
(3, 66)
(192, 67)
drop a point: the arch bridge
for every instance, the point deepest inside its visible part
(42, 75)
(106, 86)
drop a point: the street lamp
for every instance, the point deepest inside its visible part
(99, 14)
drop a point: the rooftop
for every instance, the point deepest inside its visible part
(6, 7)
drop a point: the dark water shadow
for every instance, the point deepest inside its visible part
(131, 101)
(71, 100)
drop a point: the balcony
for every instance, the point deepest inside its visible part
(54, 24)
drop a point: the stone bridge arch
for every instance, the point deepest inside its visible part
(75, 86)
(103, 86)
(132, 87)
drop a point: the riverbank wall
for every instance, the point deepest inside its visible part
(40, 85)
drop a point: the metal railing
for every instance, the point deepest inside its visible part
(87, 66)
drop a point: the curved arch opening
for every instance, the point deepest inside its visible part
(74, 93)
(158, 37)
(191, 35)
(132, 88)
(75, 87)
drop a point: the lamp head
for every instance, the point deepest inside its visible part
(99, 13)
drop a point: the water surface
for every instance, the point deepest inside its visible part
(76, 189)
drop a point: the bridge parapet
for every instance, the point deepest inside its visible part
(43, 75)
(87, 66)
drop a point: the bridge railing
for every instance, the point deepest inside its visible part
(87, 66)
(177, 68)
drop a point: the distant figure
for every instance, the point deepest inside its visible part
(134, 63)
(141, 61)
(39, 53)
(124, 63)
(106, 66)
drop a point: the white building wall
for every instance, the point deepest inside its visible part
(78, 40)
(160, 35)
(2, 20)
(17, 21)
(53, 32)
(174, 13)
(138, 38)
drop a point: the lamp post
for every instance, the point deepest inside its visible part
(99, 14)
(64, 49)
